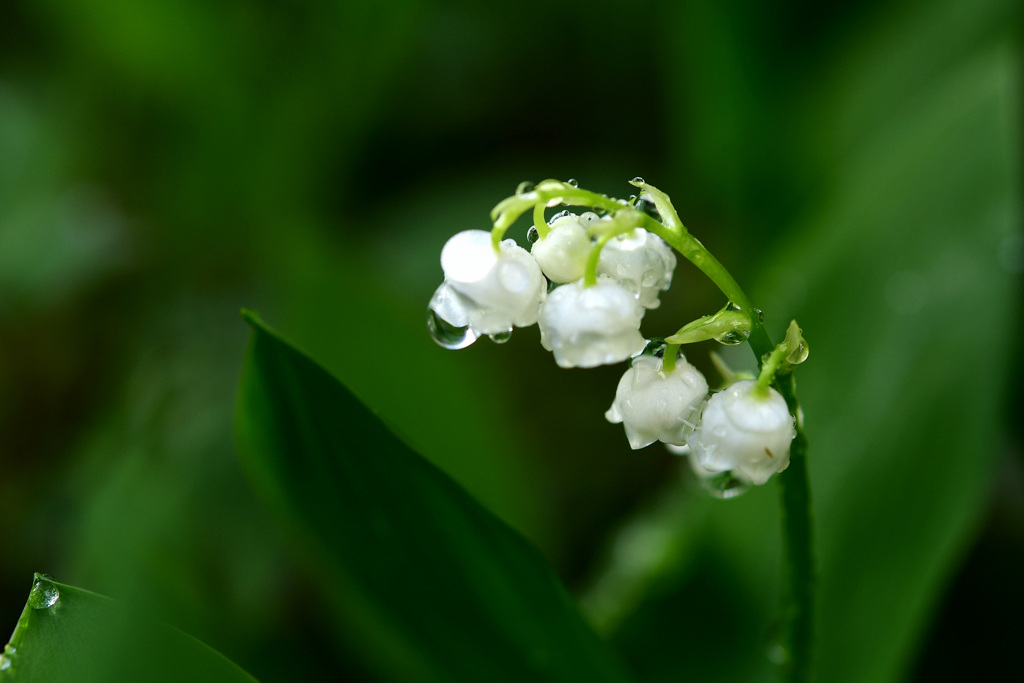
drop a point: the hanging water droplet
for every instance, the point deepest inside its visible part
(43, 594)
(573, 182)
(524, 187)
(799, 354)
(447, 335)
(724, 485)
(733, 337)
(501, 337)
(637, 181)
(532, 235)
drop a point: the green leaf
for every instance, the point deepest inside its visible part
(432, 585)
(69, 634)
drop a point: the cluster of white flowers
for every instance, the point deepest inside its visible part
(489, 289)
(739, 430)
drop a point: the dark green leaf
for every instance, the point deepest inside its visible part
(70, 634)
(433, 586)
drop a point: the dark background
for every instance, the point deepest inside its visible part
(165, 163)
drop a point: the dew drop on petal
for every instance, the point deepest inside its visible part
(532, 235)
(573, 182)
(43, 595)
(637, 181)
(724, 485)
(500, 337)
(447, 335)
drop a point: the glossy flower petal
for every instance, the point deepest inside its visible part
(641, 262)
(589, 326)
(562, 253)
(486, 290)
(653, 405)
(744, 433)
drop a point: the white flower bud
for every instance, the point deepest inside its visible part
(488, 292)
(654, 405)
(588, 326)
(641, 262)
(562, 253)
(744, 433)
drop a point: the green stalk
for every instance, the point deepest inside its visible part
(797, 523)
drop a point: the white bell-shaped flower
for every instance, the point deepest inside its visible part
(589, 326)
(744, 433)
(641, 262)
(562, 253)
(488, 291)
(654, 405)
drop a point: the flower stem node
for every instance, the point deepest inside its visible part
(590, 326)
(744, 432)
(562, 253)
(488, 290)
(641, 262)
(658, 405)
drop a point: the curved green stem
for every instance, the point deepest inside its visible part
(797, 522)
(539, 222)
(668, 360)
(769, 367)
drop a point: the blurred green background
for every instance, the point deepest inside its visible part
(165, 163)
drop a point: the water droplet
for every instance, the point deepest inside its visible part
(733, 337)
(501, 337)
(559, 216)
(798, 355)
(447, 335)
(7, 658)
(637, 181)
(655, 347)
(43, 595)
(733, 306)
(649, 279)
(573, 182)
(532, 235)
(524, 187)
(724, 485)
(760, 314)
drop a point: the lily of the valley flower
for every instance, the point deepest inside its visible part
(488, 291)
(641, 262)
(743, 432)
(589, 326)
(655, 405)
(562, 253)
